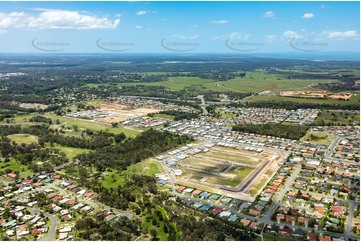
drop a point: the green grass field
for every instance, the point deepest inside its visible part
(176, 83)
(355, 99)
(258, 81)
(82, 124)
(241, 173)
(16, 166)
(255, 81)
(318, 138)
(23, 138)
(69, 151)
(165, 116)
(148, 167)
(147, 223)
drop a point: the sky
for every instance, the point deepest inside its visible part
(179, 27)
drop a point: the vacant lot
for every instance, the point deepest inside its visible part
(222, 166)
(318, 138)
(23, 138)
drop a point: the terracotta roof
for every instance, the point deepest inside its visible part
(254, 212)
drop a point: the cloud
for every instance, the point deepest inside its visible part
(55, 19)
(308, 15)
(269, 14)
(2, 31)
(143, 12)
(292, 34)
(233, 35)
(236, 35)
(184, 37)
(270, 37)
(138, 26)
(220, 21)
(350, 34)
(323, 6)
(14, 19)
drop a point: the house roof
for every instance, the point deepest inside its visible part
(245, 222)
(196, 192)
(254, 212)
(311, 236)
(325, 238)
(336, 209)
(302, 220)
(217, 210)
(11, 175)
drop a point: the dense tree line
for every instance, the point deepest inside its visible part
(41, 119)
(149, 143)
(278, 130)
(97, 140)
(290, 105)
(179, 115)
(122, 229)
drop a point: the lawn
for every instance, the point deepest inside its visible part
(69, 151)
(23, 138)
(16, 166)
(148, 167)
(318, 138)
(165, 116)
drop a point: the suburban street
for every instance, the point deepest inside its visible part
(51, 233)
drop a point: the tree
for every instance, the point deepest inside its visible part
(153, 232)
(119, 138)
(114, 125)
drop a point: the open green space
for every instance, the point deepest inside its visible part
(239, 173)
(23, 138)
(152, 221)
(114, 178)
(69, 122)
(165, 116)
(336, 118)
(318, 138)
(255, 81)
(176, 83)
(69, 151)
(355, 99)
(14, 165)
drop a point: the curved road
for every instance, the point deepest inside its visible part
(51, 233)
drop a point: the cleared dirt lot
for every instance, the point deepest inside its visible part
(225, 168)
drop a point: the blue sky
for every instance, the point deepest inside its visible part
(166, 27)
